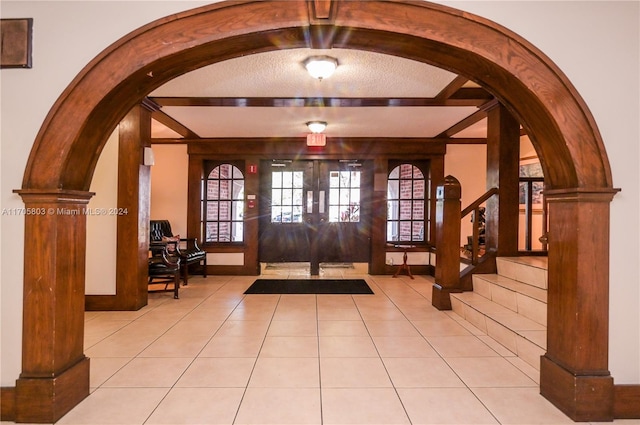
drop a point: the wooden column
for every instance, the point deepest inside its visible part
(134, 195)
(574, 372)
(55, 372)
(503, 167)
(377, 263)
(447, 243)
(134, 192)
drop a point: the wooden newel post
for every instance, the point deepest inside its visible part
(447, 243)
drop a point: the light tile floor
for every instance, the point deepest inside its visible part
(216, 356)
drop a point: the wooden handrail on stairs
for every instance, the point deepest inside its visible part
(475, 209)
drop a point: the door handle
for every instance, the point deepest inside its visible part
(310, 202)
(321, 202)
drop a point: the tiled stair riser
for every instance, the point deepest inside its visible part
(529, 305)
(510, 307)
(525, 273)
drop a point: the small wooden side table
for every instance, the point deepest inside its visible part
(404, 266)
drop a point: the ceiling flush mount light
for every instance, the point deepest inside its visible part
(316, 138)
(316, 126)
(320, 67)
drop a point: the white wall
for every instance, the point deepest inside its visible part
(102, 224)
(468, 164)
(595, 43)
(169, 181)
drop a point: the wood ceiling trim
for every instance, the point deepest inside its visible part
(452, 87)
(241, 140)
(174, 125)
(470, 120)
(321, 9)
(464, 97)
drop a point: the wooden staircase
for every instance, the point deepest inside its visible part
(510, 306)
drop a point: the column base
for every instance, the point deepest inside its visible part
(46, 400)
(587, 398)
(440, 297)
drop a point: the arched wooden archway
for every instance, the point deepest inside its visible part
(574, 374)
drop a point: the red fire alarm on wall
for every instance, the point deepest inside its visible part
(253, 169)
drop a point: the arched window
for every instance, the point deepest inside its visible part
(223, 204)
(407, 205)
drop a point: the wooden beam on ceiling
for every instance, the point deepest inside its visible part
(232, 140)
(174, 125)
(452, 87)
(477, 116)
(463, 98)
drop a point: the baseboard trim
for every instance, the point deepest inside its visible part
(583, 398)
(626, 401)
(46, 400)
(8, 404)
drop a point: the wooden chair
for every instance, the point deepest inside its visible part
(186, 248)
(164, 268)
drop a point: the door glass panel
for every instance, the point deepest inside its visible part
(276, 214)
(297, 198)
(355, 179)
(287, 179)
(355, 196)
(344, 196)
(286, 196)
(276, 196)
(276, 179)
(334, 214)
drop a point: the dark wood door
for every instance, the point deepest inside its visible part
(315, 211)
(344, 210)
(284, 213)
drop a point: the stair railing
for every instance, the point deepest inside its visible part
(528, 185)
(476, 222)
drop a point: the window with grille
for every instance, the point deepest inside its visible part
(223, 204)
(407, 205)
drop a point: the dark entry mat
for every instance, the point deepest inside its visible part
(309, 286)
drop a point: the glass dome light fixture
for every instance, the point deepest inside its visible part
(317, 126)
(320, 67)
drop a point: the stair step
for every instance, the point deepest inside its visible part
(510, 306)
(529, 270)
(529, 301)
(520, 335)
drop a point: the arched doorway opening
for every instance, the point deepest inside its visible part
(574, 375)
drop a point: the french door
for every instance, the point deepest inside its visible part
(315, 211)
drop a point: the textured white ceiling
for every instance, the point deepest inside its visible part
(282, 74)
